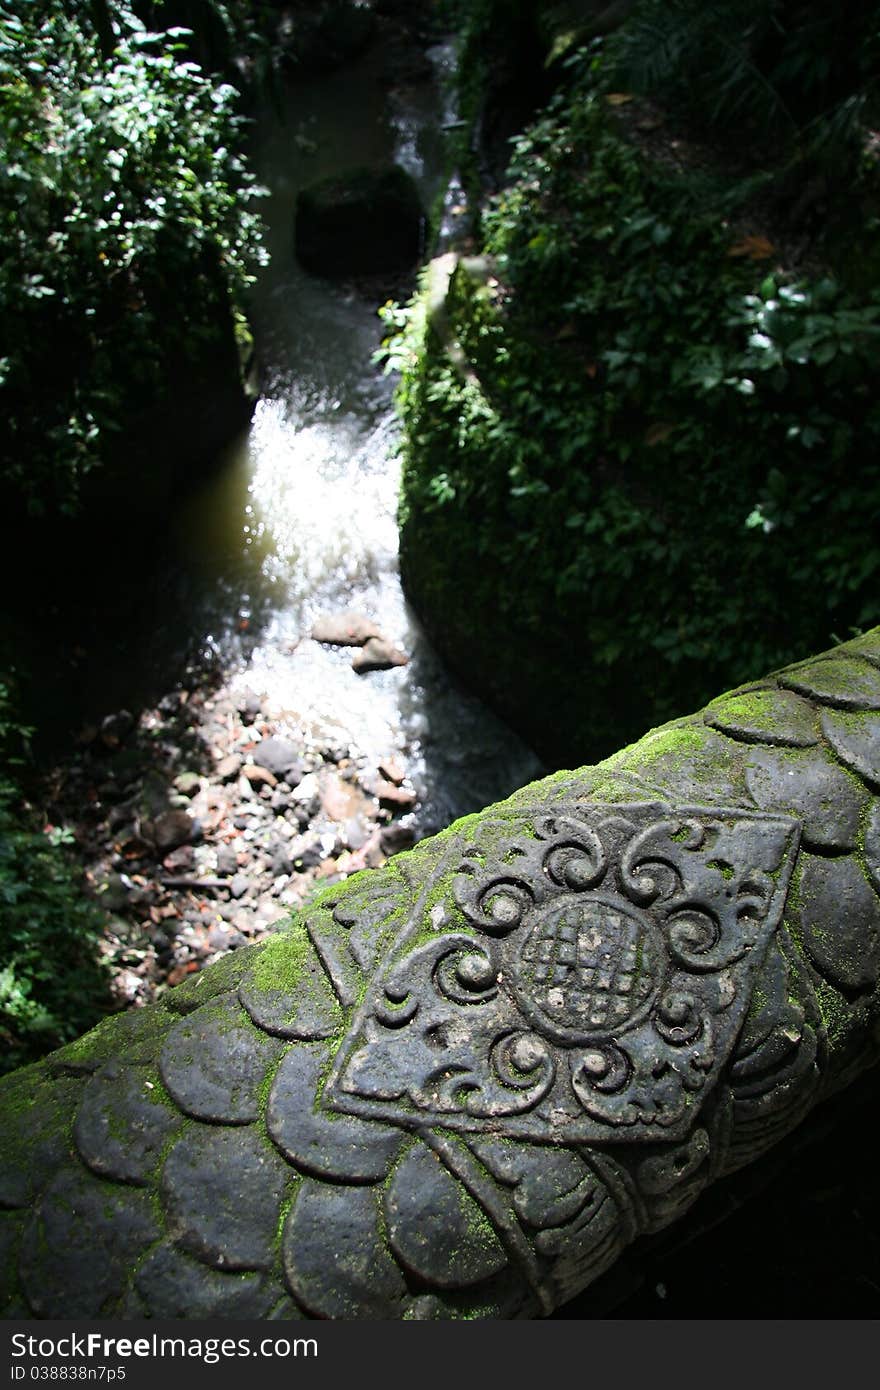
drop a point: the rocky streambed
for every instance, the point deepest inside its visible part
(205, 820)
(314, 732)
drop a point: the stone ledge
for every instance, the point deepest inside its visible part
(461, 1085)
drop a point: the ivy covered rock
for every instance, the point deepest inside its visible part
(366, 222)
(460, 1086)
(635, 434)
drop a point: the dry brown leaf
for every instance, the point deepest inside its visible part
(754, 248)
(656, 434)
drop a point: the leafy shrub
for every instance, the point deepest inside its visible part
(792, 70)
(51, 985)
(124, 222)
(645, 459)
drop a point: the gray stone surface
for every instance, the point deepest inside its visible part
(461, 1085)
(223, 1188)
(123, 1122)
(435, 1227)
(214, 1061)
(315, 1140)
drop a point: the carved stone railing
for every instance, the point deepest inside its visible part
(462, 1084)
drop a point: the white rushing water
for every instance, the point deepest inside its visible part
(304, 514)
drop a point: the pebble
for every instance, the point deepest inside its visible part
(211, 785)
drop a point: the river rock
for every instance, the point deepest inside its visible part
(239, 885)
(396, 837)
(250, 707)
(259, 776)
(188, 783)
(229, 767)
(171, 829)
(378, 655)
(344, 629)
(180, 861)
(116, 727)
(365, 222)
(280, 861)
(227, 861)
(280, 758)
(395, 798)
(392, 769)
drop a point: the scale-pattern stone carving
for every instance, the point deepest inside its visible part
(461, 1085)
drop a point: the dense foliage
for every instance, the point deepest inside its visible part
(639, 444)
(124, 224)
(51, 987)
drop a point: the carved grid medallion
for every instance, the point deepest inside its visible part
(584, 978)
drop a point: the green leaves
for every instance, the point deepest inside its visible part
(664, 448)
(124, 180)
(51, 986)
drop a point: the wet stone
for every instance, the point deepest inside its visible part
(855, 739)
(250, 707)
(809, 785)
(335, 1258)
(214, 1062)
(224, 1188)
(336, 1146)
(765, 716)
(281, 859)
(377, 654)
(841, 681)
(840, 922)
(344, 629)
(173, 1285)
(122, 1125)
(435, 1227)
(287, 992)
(81, 1243)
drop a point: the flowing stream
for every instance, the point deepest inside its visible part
(300, 519)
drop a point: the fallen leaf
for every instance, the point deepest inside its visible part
(754, 248)
(618, 98)
(656, 434)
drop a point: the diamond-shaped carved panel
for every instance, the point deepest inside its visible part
(582, 979)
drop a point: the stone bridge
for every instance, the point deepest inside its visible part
(460, 1085)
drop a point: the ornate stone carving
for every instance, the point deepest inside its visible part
(460, 1086)
(587, 986)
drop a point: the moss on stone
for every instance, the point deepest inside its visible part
(224, 975)
(281, 965)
